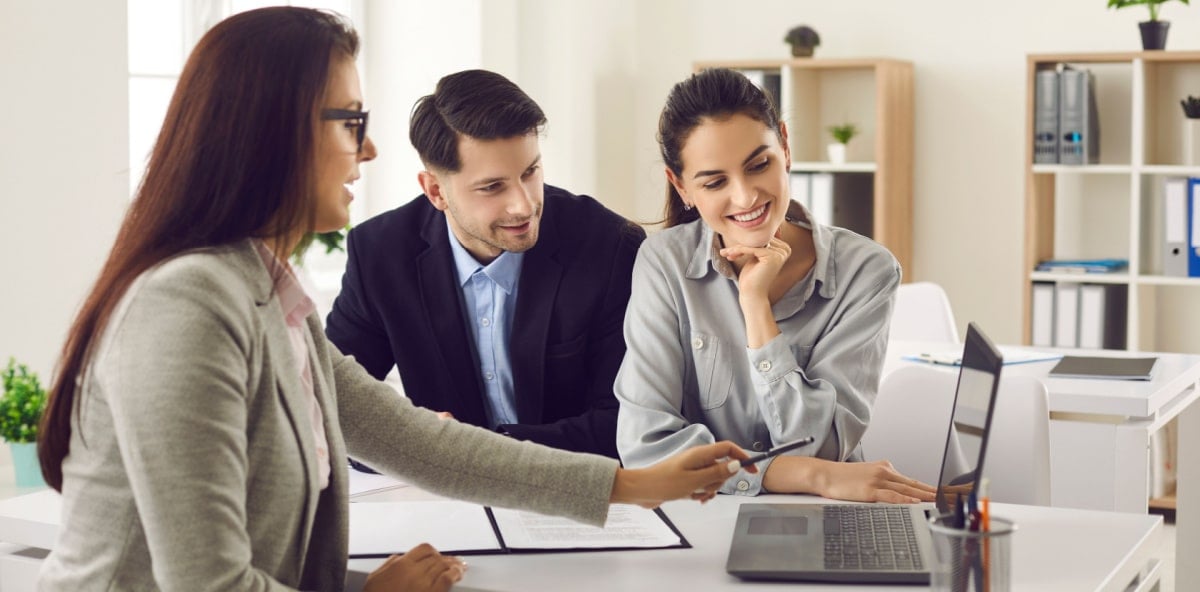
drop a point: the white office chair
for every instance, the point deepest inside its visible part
(909, 422)
(912, 413)
(923, 313)
(1018, 455)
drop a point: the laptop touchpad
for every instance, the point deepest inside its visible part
(776, 525)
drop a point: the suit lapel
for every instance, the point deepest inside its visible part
(279, 356)
(540, 276)
(324, 566)
(442, 300)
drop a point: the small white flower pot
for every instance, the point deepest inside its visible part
(837, 153)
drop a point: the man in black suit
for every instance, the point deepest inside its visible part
(500, 300)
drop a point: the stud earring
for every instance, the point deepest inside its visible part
(687, 207)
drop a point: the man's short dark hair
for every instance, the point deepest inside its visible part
(477, 103)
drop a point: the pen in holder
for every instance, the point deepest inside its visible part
(971, 560)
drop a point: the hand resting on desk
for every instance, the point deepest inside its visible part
(876, 481)
(420, 569)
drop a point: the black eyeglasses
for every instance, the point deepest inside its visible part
(359, 119)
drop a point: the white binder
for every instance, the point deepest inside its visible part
(1066, 315)
(1175, 227)
(1043, 314)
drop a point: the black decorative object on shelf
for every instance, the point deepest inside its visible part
(803, 40)
(1191, 107)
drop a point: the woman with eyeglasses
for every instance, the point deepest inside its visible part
(198, 416)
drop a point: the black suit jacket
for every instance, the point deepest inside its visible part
(401, 304)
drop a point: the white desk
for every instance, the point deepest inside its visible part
(1100, 438)
(1054, 549)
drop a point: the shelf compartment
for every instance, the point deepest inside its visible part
(1166, 83)
(824, 97)
(1091, 217)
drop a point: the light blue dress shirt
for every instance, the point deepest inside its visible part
(490, 295)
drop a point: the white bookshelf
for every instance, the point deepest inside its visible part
(1113, 208)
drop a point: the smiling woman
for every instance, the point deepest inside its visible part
(748, 321)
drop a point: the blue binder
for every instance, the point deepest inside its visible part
(1193, 251)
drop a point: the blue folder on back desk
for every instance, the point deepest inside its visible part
(1011, 356)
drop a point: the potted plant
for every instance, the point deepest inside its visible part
(842, 134)
(803, 40)
(21, 406)
(1154, 31)
(332, 241)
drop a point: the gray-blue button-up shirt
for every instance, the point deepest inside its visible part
(688, 377)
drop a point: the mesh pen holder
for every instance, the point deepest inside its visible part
(971, 561)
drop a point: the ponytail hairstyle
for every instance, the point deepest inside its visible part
(715, 93)
(234, 160)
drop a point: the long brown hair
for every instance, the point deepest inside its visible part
(710, 93)
(234, 159)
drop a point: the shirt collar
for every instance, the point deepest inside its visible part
(503, 270)
(293, 299)
(708, 252)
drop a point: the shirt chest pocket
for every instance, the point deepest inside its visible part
(714, 369)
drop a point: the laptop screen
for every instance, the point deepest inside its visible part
(978, 379)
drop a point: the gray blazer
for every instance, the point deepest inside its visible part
(193, 466)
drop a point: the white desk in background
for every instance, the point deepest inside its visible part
(1100, 437)
(1054, 549)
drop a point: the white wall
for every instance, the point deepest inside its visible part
(969, 60)
(64, 161)
(601, 72)
(408, 45)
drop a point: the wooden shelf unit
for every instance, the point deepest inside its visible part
(876, 94)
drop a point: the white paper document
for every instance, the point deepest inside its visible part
(627, 527)
(379, 529)
(386, 528)
(361, 483)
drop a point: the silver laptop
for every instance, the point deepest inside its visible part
(868, 543)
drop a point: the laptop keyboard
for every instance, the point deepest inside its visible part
(877, 538)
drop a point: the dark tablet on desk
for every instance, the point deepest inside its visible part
(1103, 367)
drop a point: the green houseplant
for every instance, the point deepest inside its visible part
(842, 134)
(1154, 31)
(332, 241)
(21, 406)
